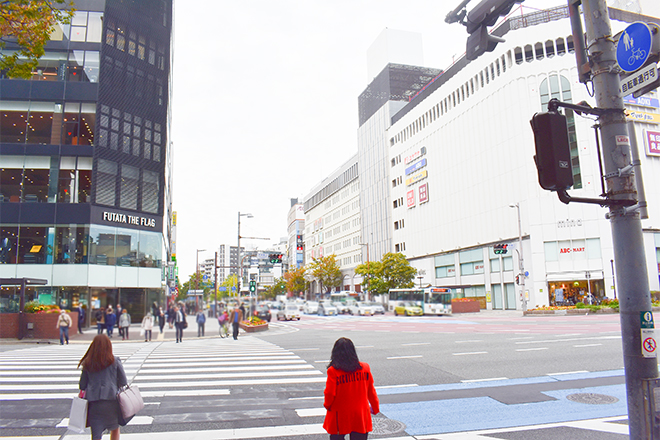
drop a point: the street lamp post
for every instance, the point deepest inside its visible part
(197, 274)
(238, 253)
(521, 264)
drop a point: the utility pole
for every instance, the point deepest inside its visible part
(631, 273)
(215, 282)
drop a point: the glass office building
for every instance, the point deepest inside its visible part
(84, 156)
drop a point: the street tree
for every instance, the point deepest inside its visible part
(194, 283)
(27, 26)
(326, 271)
(230, 283)
(295, 280)
(393, 271)
(278, 288)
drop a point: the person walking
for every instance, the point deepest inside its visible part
(81, 318)
(161, 319)
(222, 320)
(235, 318)
(180, 323)
(170, 315)
(349, 396)
(101, 378)
(110, 321)
(118, 312)
(64, 321)
(201, 320)
(100, 320)
(124, 324)
(147, 326)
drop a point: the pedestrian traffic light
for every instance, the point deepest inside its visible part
(553, 152)
(253, 286)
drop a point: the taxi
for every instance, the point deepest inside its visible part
(408, 309)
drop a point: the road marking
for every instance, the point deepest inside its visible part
(469, 353)
(532, 349)
(598, 338)
(311, 412)
(469, 340)
(306, 398)
(567, 372)
(405, 357)
(522, 337)
(385, 387)
(137, 420)
(587, 345)
(364, 346)
(484, 380)
(417, 343)
(324, 361)
(303, 349)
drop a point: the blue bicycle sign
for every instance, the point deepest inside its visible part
(634, 47)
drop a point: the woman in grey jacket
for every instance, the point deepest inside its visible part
(101, 378)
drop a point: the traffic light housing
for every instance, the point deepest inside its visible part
(553, 151)
(253, 286)
(275, 258)
(478, 19)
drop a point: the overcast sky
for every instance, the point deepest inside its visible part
(265, 103)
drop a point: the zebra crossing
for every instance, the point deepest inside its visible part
(202, 384)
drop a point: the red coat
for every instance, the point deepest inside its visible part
(347, 399)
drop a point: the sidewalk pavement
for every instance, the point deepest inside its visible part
(211, 329)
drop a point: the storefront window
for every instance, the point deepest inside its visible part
(71, 245)
(35, 245)
(127, 247)
(151, 246)
(11, 178)
(102, 245)
(10, 298)
(75, 180)
(8, 244)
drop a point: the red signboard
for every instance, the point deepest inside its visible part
(653, 142)
(423, 193)
(410, 198)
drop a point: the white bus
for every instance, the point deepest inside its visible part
(433, 300)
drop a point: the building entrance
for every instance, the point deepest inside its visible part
(570, 292)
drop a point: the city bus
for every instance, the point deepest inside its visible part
(433, 300)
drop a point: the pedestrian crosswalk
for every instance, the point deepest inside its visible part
(202, 382)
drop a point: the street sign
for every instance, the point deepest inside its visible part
(646, 320)
(649, 344)
(634, 47)
(639, 80)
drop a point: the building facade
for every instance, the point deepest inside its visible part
(463, 174)
(295, 252)
(332, 224)
(85, 162)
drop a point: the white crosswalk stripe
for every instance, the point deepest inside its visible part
(172, 378)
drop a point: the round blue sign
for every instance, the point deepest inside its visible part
(634, 47)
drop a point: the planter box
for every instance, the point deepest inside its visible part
(563, 312)
(252, 328)
(465, 306)
(38, 325)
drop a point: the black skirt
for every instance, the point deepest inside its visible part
(102, 415)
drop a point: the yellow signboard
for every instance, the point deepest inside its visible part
(416, 177)
(644, 117)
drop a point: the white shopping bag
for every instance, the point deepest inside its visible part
(78, 415)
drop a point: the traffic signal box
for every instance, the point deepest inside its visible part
(275, 258)
(253, 286)
(553, 152)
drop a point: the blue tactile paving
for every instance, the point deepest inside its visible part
(456, 415)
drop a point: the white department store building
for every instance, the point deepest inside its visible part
(461, 152)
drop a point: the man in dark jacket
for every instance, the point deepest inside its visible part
(235, 318)
(110, 320)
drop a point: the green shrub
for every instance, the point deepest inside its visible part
(580, 305)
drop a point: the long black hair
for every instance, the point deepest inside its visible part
(344, 356)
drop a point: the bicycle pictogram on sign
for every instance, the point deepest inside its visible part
(649, 345)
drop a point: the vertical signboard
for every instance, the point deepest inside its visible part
(423, 193)
(410, 198)
(652, 143)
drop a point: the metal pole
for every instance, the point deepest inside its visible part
(238, 258)
(634, 295)
(215, 283)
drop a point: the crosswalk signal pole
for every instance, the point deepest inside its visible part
(631, 273)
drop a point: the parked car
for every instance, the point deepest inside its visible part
(377, 308)
(326, 308)
(408, 309)
(359, 308)
(341, 307)
(262, 311)
(289, 311)
(311, 307)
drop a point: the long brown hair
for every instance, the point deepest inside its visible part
(99, 355)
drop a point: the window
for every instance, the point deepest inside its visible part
(128, 194)
(150, 191)
(106, 182)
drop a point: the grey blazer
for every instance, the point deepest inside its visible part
(104, 384)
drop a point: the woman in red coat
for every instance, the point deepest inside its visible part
(350, 396)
